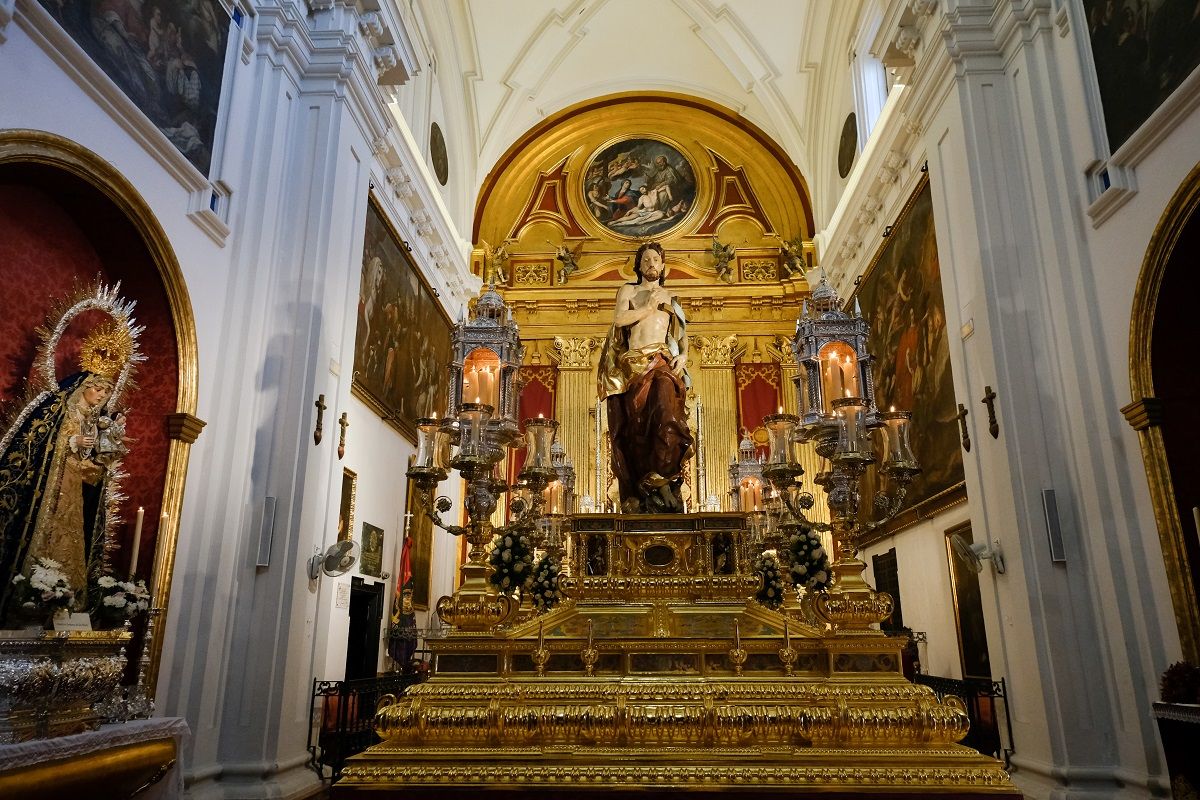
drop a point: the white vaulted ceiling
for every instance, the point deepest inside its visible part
(514, 62)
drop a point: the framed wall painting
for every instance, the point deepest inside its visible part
(345, 529)
(968, 610)
(168, 58)
(639, 186)
(1142, 52)
(420, 529)
(402, 341)
(370, 560)
(901, 297)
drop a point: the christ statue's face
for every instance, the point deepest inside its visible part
(651, 264)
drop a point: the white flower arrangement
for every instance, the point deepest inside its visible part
(770, 592)
(512, 563)
(45, 588)
(809, 561)
(121, 600)
(544, 586)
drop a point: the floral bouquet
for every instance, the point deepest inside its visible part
(121, 600)
(512, 563)
(546, 594)
(770, 591)
(809, 561)
(44, 591)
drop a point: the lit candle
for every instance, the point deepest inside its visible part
(137, 541)
(834, 379)
(488, 386)
(849, 376)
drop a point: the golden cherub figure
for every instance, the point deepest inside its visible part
(568, 258)
(494, 260)
(793, 256)
(722, 255)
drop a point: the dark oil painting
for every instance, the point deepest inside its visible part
(1142, 49)
(402, 343)
(901, 296)
(167, 57)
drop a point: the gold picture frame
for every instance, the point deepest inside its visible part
(349, 493)
(973, 656)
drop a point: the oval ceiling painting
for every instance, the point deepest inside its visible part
(639, 187)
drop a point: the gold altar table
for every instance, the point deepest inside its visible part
(659, 675)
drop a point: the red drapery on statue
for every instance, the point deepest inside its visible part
(759, 388)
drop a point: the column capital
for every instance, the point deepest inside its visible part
(716, 351)
(575, 352)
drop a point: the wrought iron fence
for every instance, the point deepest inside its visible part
(986, 702)
(341, 714)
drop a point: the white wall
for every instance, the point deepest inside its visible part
(924, 574)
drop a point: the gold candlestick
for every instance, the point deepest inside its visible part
(541, 655)
(590, 654)
(737, 656)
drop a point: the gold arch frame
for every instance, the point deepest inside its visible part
(40, 147)
(628, 99)
(1145, 412)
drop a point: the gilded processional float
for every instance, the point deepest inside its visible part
(712, 651)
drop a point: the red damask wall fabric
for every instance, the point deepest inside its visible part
(758, 394)
(537, 397)
(56, 232)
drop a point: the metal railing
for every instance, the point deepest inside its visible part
(340, 718)
(986, 702)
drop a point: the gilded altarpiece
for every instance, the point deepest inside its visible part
(657, 670)
(572, 200)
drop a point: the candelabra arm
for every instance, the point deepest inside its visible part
(891, 505)
(431, 508)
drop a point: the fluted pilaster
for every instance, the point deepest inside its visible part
(714, 385)
(576, 394)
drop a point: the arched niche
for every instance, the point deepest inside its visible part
(1166, 391)
(67, 217)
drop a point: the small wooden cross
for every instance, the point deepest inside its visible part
(989, 400)
(319, 431)
(343, 423)
(961, 416)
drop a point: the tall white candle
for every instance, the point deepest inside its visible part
(137, 541)
(850, 377)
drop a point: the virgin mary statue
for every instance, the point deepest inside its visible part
(58, 465)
